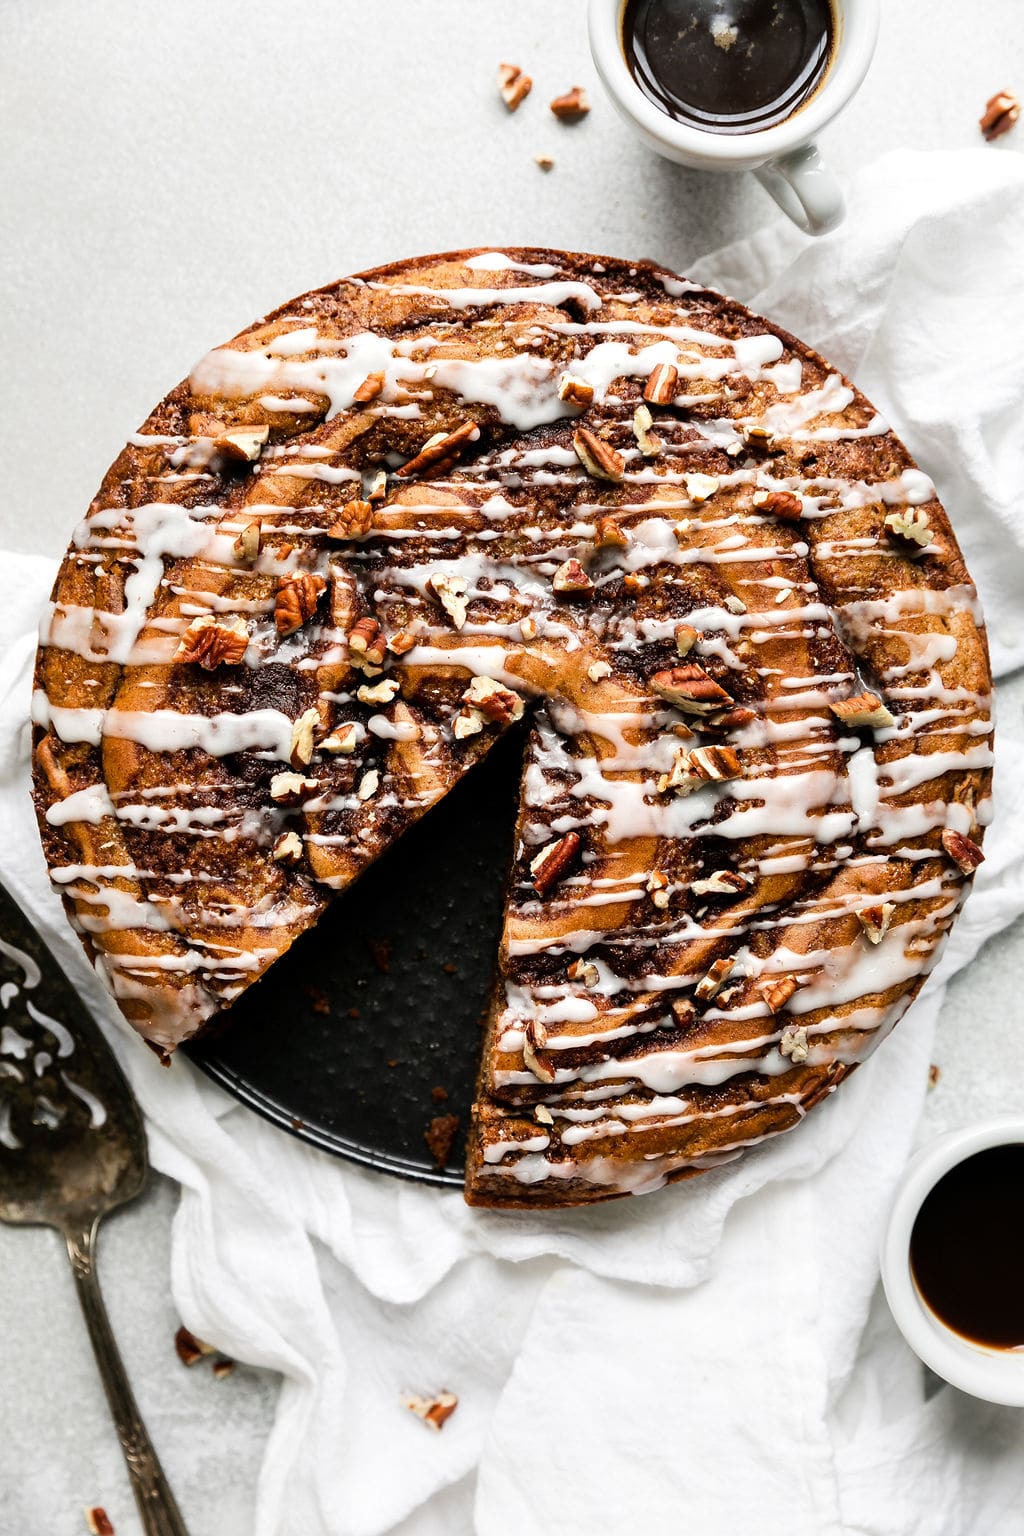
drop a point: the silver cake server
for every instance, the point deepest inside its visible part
(72, 1148)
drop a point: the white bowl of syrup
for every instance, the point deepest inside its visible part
(953, 1259)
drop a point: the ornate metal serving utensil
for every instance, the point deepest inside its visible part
(72, 1148)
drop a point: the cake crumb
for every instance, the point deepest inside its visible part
(380, 949)
(723, 35)
(439, 1095)
(546, 162)
(439, 1136)
(934, 1074)
(319, 999)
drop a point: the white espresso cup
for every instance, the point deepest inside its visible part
(997, 1375)
(785, 157)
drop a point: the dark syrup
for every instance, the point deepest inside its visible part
(728, 66)
(967, 1248)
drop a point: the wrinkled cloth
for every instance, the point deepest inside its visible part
(696, 1356)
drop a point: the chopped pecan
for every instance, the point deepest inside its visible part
(402, 642)
(864, 709)
(243, 444)
(608, 534)
(758, 436)
(378, 486)
(575, 390)
(468, 722)
(210, 642)
(777, 991)
(701, 487)
(290, 788)
(724, 882)
(1001, 112)
(379, 693)
(686, 638)
(440, 452)
(98, 1521)
(369, 389)
(712, 982)
(833, 1077)
(513, 86)
(690, 689)
(249, 542)
(683, 1011)
(656, 886)
(571, 577)
(450, 592)
(494, 700)
(188, 1348)
(598, 670)
(543, 1115)
(354, 520)
(875, 920)
(301, 750)
(728, 720)
(368, 785)
(546, 162)
(648, 442)
(702, 765)
(794, 1043)
(222, 1367)
(297, 597)
(785, 505)
(584, 971)
(598, 458)
(572, 106)
(715, 763)
(966, 855)
(909, 528)
(366, 643)
(288, 848)
(553, 862)
(660, 388)
(342, 740)
(434, 1411)
(535, 1037)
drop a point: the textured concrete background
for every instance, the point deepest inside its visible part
(168, 174)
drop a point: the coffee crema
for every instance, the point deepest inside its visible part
(729, 66)
(967, 1248)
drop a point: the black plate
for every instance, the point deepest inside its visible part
(346, 1038)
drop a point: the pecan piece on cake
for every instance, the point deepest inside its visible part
(210, 642)
(297, 599)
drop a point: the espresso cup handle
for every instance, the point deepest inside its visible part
(805, 189)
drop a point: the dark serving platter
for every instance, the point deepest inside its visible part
(348, 1037)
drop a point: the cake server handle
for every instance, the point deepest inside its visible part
(157, 1509)
(805, 189)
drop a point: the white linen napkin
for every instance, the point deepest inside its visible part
(692, 1358)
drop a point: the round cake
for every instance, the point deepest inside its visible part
(411, 509)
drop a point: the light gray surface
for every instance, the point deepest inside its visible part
(168, 174)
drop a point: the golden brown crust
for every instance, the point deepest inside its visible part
(680, 576)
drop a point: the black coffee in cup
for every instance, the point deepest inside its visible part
(729, 66)
(967, 1248)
